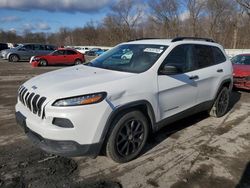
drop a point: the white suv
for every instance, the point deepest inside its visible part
(113, 103)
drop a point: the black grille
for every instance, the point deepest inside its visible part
(32, 101)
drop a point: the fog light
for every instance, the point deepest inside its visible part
(62, 122)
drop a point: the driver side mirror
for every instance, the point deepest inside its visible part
(169, 70)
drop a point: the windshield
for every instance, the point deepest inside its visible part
(241, 60)
(135, 58)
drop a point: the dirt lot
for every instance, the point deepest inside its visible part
(199, 151)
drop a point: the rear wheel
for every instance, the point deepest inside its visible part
(13, 58)
(43, 62)
(128, 137)
(78, 62)
(221, 103)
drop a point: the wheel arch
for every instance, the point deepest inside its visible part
(142, 105)
(43, 59)
(225, 83)
(10, 54)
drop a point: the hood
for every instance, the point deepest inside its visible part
(73, 81)
(241, 70)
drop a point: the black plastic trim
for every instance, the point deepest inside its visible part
(119, 110)
(221, 86)
(193, 110)
(62, 122)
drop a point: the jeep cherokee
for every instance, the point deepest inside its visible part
(112, 104)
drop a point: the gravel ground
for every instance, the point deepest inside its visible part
(199, 151)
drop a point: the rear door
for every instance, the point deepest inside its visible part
(178, 92)
(70, 56)
(39, 49)
(57, 57)
(210, 62)
(26, 52)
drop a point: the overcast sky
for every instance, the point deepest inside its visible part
(50, 15)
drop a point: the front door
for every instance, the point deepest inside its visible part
(178, 92)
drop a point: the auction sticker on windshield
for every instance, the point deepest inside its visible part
(153, 50)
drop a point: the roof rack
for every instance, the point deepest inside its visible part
(191, 38)
(143, 39)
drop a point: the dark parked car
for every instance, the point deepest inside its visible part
(26, 51)
(95, 52)
(3, 46)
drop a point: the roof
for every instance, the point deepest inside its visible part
(169, 42)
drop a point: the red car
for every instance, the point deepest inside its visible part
(241, 74)
(60, 56)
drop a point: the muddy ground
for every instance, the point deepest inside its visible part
(198, 151)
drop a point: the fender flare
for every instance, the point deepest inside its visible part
(123, 108)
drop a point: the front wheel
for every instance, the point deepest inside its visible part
(128, 137)
(78, 62)
(43, 62)
(221, 103)
(13, 58)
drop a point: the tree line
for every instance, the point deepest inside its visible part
(225, 21)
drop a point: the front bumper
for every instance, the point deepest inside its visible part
(64, 148)
(34, 63)
(241, 83)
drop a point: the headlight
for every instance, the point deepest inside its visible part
(81, 100)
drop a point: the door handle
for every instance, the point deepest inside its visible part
(220, 70)
(194, 77)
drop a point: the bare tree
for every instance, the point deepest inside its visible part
(219, 12)
(166, 13)
(126, 15)
(245, 4)
(195, 8)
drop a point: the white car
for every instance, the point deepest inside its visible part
(82, 50)
(127, 55)
(113, 104)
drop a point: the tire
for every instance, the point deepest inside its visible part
(220, 106)
(13, 58)
(128, 137)
(78, 62)
(43, 62)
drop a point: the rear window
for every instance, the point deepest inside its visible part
(28, 47)
(71, 52)
(204, 56)
(50, 48)
(218, 55)
(39, 47)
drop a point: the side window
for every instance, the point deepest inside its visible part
(204, 56)
(218, 55)
(246, 60)
(28, 47)
(38, 47)
(71, 52)
(59, 52)
(181, 57)
(50, 48)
